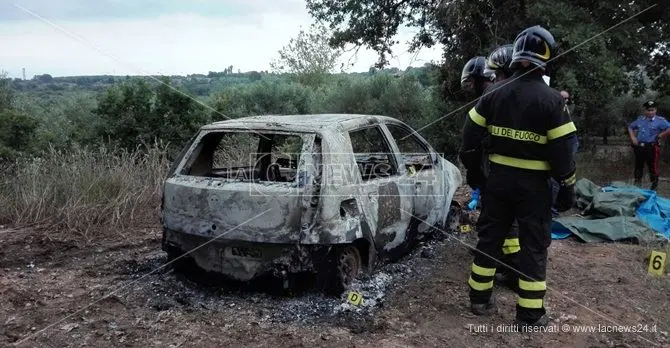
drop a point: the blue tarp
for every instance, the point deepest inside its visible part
(615, 213)
(558, 231)
(654, 210)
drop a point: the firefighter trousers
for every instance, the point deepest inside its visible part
(510, 248)
(510, 253)
(523, 195)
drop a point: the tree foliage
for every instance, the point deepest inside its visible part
(6, 93)
(17, 133)
(309, 55)
(17, 129)
(136, 112)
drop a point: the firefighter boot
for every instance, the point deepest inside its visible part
(483, 308)
(524, 326)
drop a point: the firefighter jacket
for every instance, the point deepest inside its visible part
(528, 126)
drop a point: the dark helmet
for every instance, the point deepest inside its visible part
(475, 68)
(500, 59)
(534, 44)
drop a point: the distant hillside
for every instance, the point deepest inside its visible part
(194, 84)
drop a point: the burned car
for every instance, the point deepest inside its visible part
(330, 194)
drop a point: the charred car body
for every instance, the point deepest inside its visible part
(331, 194)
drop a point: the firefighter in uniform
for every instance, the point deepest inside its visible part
(474, 80)
(498, 63)
(495, 67)
(530, 141)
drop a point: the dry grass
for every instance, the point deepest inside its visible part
(85, 193)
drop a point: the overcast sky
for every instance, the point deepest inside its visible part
(138, 37)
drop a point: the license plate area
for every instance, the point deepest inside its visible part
(242, 252)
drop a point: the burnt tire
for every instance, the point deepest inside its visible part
(451, 222)
(345, 264)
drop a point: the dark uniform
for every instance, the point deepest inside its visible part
(498, 63)
(530, 141)
(476, 76)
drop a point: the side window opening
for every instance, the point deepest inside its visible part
(413, 151)
(246, 156)
(372, 153)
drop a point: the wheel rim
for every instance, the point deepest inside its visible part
(348, 264)
(454, 219)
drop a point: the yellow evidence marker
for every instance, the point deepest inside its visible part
(412, 171)
(355, 298)
(656, 263)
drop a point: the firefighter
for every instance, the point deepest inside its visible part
(531, 137)
(474, 80)
(498, 64)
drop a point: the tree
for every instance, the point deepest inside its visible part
(600, 42)
(45, 78)
(6, 92)
(17, 133)
(659, 69)
(469, 28)
(308, 56)
(136, 112)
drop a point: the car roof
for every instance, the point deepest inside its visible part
(305, 122)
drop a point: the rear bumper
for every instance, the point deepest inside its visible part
(243, 260)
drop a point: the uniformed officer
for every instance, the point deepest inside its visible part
(531, 137)
(645, 133)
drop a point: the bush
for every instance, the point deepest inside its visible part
(17, 134)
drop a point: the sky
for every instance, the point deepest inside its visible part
(165, 37)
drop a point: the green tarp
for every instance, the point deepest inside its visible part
(605, 216)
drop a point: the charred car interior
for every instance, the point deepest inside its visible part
(246, 156)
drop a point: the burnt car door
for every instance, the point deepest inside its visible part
(421, 163)
(384, 190)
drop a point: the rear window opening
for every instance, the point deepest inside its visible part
(246, 156)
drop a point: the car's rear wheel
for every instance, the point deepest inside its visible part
(349, 265)
(342, 265)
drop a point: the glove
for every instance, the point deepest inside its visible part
(565, 198)
(475, 200)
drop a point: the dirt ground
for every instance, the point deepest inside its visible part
(55, 294)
